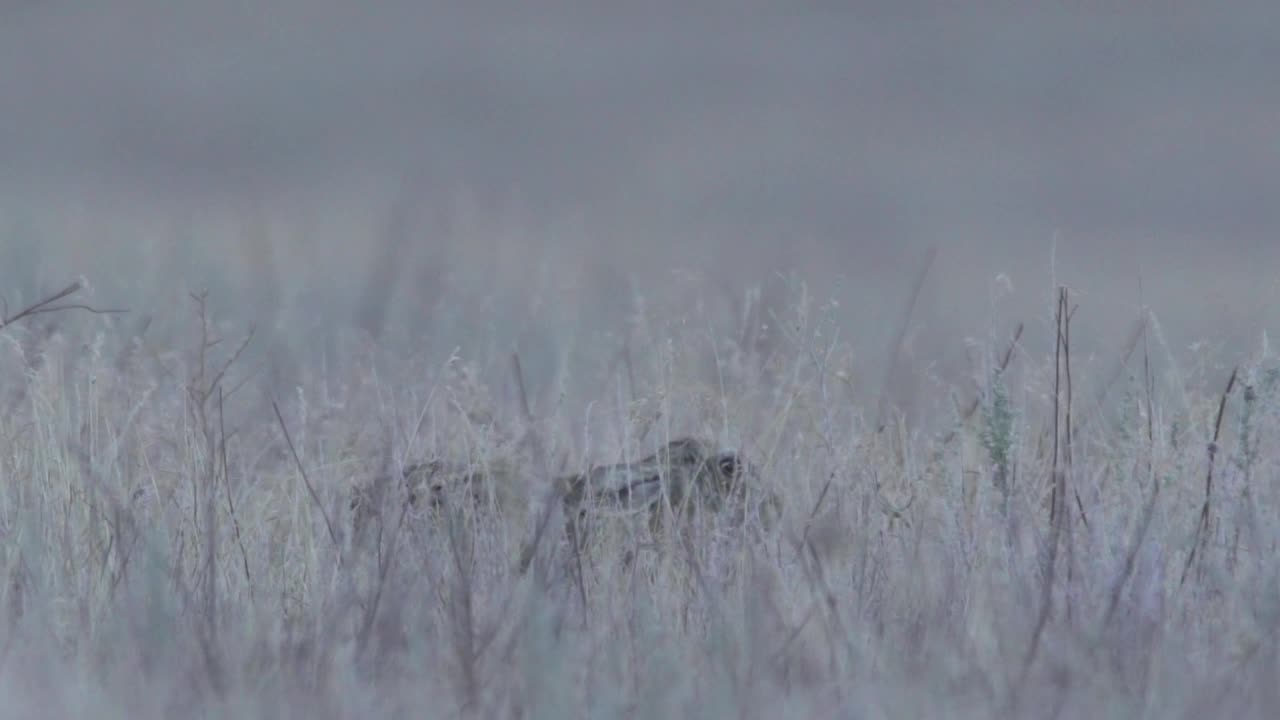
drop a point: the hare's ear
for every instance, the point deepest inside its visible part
(686, 450)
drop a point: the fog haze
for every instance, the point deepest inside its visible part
(1092, 143)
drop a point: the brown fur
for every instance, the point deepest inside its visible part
(684, 476)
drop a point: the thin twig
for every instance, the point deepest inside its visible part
(1057, 511)
(333, 536)
(521, 395)
(217, 378)
(231, 508)
(1130, 559)
(1203, 526)
(973, 405)
(1075, 491)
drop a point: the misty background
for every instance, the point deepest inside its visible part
(468, 175)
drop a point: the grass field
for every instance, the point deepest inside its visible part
(1051, 536)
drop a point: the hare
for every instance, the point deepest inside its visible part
(683, 478)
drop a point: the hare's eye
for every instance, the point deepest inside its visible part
(729, 466)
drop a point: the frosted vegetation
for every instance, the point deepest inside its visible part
(1054, 536)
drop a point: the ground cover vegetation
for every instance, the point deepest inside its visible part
(727, 530)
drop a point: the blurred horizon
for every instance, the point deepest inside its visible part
(536, 171)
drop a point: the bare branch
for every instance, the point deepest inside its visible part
(49, 305)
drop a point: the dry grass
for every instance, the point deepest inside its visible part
(178, 538)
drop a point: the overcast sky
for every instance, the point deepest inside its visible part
(839, 118)
(837, 133)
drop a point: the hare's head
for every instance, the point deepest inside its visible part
(728, 481)
(726, 471)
